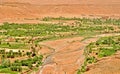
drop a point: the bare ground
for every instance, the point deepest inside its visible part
(68, 56)
(17, 10)
(108, 65)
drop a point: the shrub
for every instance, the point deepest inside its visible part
(30, 65)
(79, 72)
(16, 68)
(28, 54)
(83, 68)
(106, 52)
(91, 59)
(5, 63)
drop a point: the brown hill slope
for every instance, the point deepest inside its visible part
(16, 9)
(107, 65)
(42, 2)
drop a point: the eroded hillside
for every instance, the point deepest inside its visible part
(13, 10)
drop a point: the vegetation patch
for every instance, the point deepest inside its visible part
(34, 61)
(19, 43)
(105, 46)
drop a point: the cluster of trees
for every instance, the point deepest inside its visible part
(12, 45)
(105, 40)
(10, 54)
(105, 46)
(16, 68)
(51, 30)
(5, 63)
(45, 29)
(32, 30)
(17, 65)
(94, 20)
(35, 60)
(103, 52)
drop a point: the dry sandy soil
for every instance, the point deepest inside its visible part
(15, 10)
(108, 65)
(67, 57)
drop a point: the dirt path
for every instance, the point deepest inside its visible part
(68, 55)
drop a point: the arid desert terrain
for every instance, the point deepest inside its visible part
(13, 10)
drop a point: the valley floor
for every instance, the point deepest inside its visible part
(69, 56)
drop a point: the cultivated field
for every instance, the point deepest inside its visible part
(45, 47)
